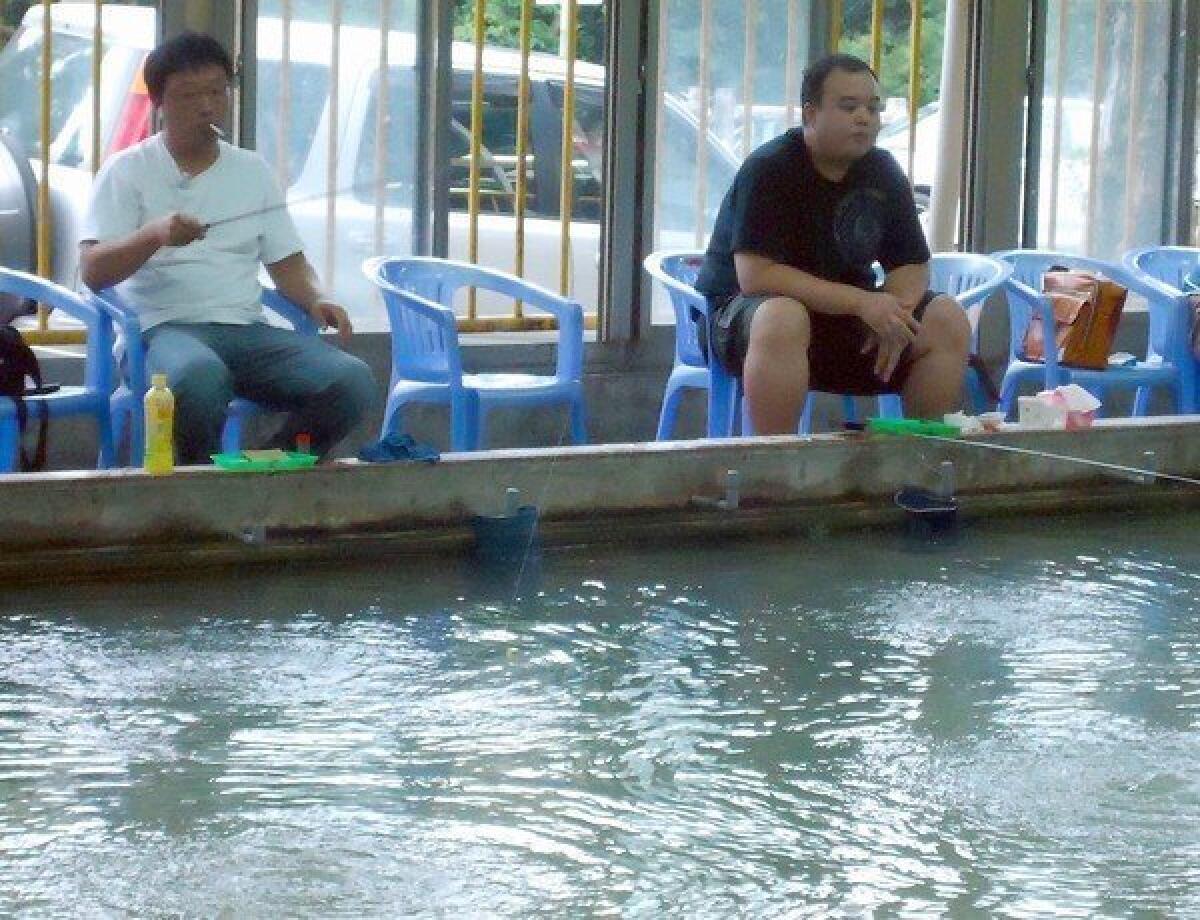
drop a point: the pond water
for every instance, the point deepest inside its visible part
(1005, 726)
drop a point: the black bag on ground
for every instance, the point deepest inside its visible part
(18, 364)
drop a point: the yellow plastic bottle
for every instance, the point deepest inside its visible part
(160, 423)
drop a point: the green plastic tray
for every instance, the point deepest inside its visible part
(241, 463)
(912, 426)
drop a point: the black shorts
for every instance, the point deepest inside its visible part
(836, 363)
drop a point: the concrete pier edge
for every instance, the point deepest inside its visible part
(111, 524)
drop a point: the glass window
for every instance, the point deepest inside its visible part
(399, 151)
(20, 80)
(1104, 129)
(308, 92)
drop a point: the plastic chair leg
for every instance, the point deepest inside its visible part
(104, 435)
(806, 415)
(891, 406)
(578, 421)
(1141, 402)
(231, 434)
(667, 415)
(464, 418)
(8, 445)
(1008, 396)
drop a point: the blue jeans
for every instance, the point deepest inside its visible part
(326, 391)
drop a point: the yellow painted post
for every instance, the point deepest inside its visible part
(749, 66)
(476, 146)
(522, 187)
(97, 67)
(700, 203)
(914, 81)
(382, 103)
(331, 167)
(571, 11)
(835, 24)
(876, 34)
(43, 236)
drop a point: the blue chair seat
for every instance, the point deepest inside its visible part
(125, 404)
(90, 399)
(1167, 363)
(426, 358)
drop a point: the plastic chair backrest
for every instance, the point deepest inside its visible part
(98, 369)
(677, 271)
(1169, 265)
(419, 295)
(1029, 266)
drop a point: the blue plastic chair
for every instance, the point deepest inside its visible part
(91, 399)
(1164, 268)
(970, 278)
(126, 402)
(427, 362)
(1167, 359)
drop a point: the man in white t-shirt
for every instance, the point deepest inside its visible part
(156, 230)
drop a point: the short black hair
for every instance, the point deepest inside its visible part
(186, 51)
(818, 72)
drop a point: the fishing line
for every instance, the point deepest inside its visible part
(1126, 471)
(256, 212)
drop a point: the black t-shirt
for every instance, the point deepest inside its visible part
(780, 207)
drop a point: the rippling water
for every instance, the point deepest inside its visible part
(1006, 727)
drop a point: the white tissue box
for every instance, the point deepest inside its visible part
(1033, 412)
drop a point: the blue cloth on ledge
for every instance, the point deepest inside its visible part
(396, 448)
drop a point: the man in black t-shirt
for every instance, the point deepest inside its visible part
(789, 270)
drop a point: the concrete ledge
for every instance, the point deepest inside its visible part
(96, 523)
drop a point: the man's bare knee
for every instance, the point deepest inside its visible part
(781, 323)
(944, 327)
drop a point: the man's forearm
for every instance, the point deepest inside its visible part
(295, 279)
(758, 276)
(104, 264)
(908, 284)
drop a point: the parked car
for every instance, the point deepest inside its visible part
(301, 152)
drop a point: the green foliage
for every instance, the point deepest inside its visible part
(894, 67)
(503, 27)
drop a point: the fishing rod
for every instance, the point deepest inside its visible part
(257, 212)
(1127, 471)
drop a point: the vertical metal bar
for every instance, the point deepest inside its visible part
(282, 124)
(43, 236)
(1035, 93)
(700, 204)
(1060, 86)
(660, 115)
(571, 11)
(437, 104)
(1132, 150)
(876, 34)
(748, 67)
(331, 166)
(382, 103)
(1093, 192)
(1181, 214)
(97, 72)
(836, 18)
(789, 67)
(914, 81)
(522, 187)
(476, 146)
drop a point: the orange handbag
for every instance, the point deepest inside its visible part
(1087, 310)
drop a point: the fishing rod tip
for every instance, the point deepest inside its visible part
(217, 131)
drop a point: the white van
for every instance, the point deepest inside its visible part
(129, 33)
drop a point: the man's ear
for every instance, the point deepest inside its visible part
(807, 112)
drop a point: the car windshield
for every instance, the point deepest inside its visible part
(20, 77)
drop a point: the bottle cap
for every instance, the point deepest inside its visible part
(158, 380)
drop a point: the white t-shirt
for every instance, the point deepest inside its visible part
(213, 280)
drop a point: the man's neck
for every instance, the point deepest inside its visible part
(192, 155)
(833, 169)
